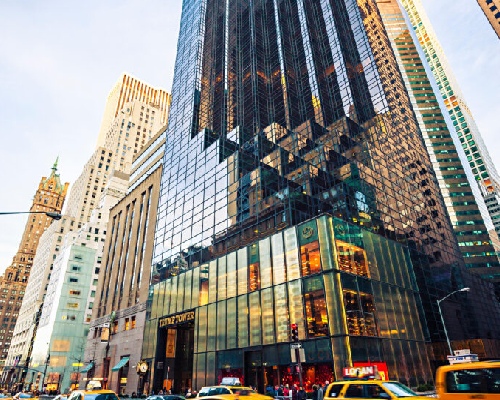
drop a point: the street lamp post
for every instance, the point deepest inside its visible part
(466, 289)
(50, 214)
(47, 361)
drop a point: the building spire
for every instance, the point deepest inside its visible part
(54, 167)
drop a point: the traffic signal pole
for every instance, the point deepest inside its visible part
(296, 345)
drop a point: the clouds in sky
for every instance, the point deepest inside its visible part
(59, 59)
(58, 62)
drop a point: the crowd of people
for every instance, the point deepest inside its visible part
(296, 392)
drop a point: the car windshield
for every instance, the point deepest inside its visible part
(243, 391)
(398, 389)
(100, 396)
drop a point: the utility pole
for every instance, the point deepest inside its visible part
(296, 345)
(47, 361)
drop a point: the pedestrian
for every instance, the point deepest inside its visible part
(325, 386)
(301, 394)
(315, 394)
(286, 390)
(279, 391)
(294, 390)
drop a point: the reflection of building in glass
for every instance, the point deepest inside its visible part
(297, 188)
(464, 201)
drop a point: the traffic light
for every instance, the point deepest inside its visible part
(294, 332)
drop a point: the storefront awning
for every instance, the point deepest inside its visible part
(120, 364)
(88, 367)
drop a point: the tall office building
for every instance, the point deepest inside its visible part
(128, 89)
(83, 225)
(491, 9)
(296, 189)
(466, 130)
(463, 198)
(49, 197)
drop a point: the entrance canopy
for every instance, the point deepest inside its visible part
(88, 367)
(120, 364)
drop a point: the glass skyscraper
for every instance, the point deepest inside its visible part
(466, 131)
(296, 189)
(463, 198)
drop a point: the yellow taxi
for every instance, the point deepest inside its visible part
(98, 394)
(370, 389)
(472, 380)
(230, 393)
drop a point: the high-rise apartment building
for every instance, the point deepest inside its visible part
(49, 197)
(128, 89)
(491, 9)
(462, 196)
(296, 189)
(466, 130)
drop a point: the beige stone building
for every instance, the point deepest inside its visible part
(126, 90)
(123, 283)
(491, 9)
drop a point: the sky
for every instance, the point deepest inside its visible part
(59, 60)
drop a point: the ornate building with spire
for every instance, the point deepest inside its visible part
(49, 197)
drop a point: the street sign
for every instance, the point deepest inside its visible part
(463, 359)
(302, 355)
(295, 345)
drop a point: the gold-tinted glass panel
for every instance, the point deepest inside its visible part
(267, 316)
(222, 279)
(310, 258)
(231, 275)
(221, 325)
(173, 297)
(203, 285)
(278, 251)
(242, 271)
(212, 281)
(281, 313)
(243, 321)
(292, 254)
(296, 306)
(351, 258)
(255, 319)
(202, 328)
(315, 305)
(265, 263)
(212, 327)
(232, 323)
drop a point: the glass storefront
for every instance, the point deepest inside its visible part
(352, 294)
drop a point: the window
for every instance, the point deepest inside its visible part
(310, 258)
(73, 280)
(74, 293)
(132, 322)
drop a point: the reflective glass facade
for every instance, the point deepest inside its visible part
(351, 292)
(282, 111)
